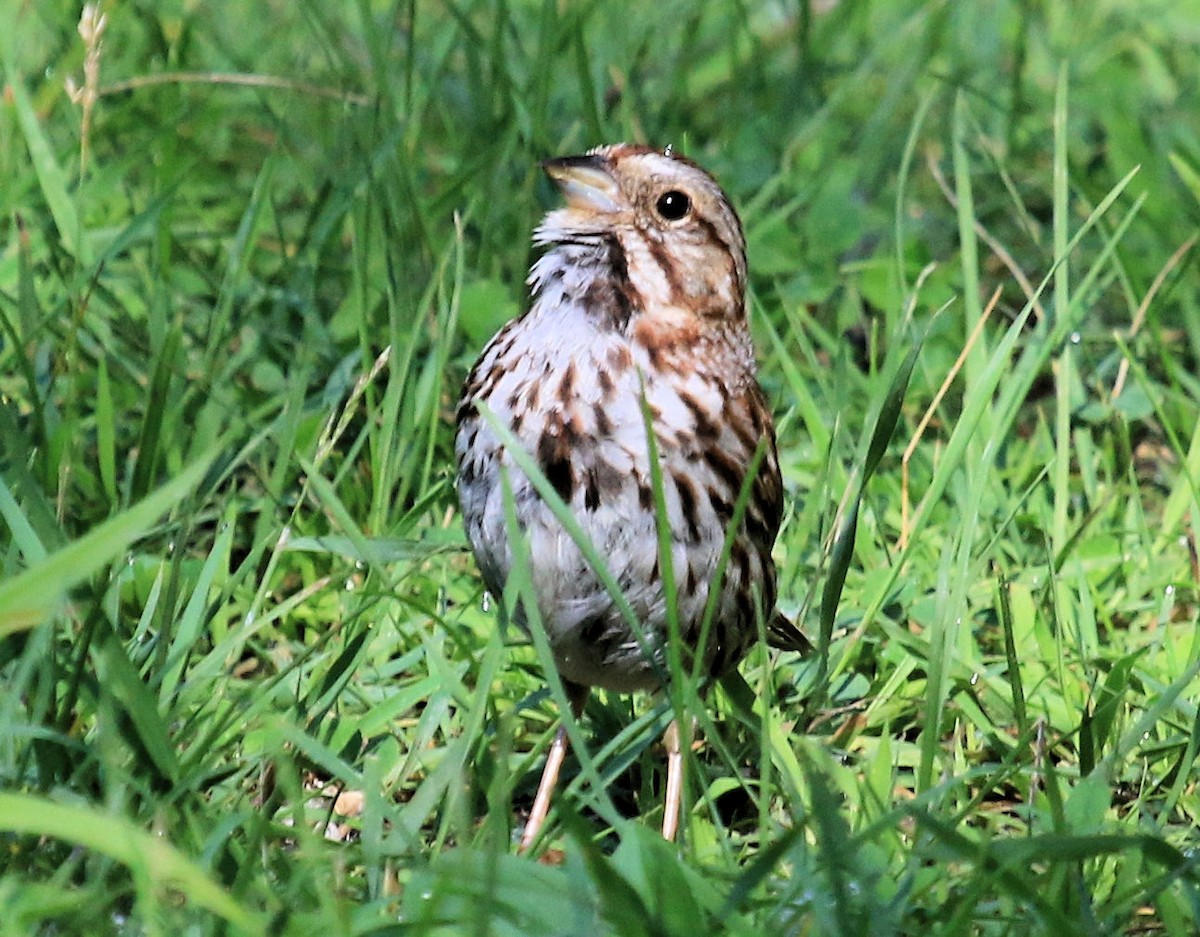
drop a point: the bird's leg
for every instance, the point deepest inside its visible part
(673, 800)
(577, 695)
(541, 803)
(671, 803)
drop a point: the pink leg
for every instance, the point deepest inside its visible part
(541, 803)
(674, 795)
(558, 752)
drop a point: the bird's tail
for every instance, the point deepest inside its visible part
(785, 636)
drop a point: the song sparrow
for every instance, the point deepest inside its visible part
(639, 302)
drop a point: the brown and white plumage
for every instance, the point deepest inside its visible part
(642, 291)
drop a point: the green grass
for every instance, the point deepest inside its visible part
(249, 681)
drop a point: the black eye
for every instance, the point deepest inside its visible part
(673, 205)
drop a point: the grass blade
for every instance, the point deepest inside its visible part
(30, 597)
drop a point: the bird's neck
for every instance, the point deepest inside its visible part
(589, 274)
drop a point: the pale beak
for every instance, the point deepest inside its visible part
(585, 182)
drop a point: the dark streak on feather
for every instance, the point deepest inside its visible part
(554, 461)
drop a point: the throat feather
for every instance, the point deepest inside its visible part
(593, 275)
